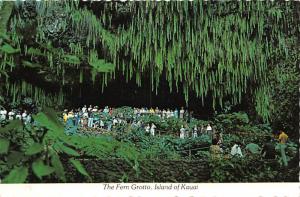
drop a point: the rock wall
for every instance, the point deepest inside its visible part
(118, 170)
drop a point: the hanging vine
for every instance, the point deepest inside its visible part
(213, 49)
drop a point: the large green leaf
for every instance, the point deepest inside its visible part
(31, 65)
(48, 119)
(62, 148)
(4, 145)
(58, 166)
(14, 158)
(79, 167)
(15, 124)
(40, 169)
(34, 149)
(17, 175)
(7, 48)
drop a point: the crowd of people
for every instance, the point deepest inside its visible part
(108, 118)
(16, 114)
(93, 117)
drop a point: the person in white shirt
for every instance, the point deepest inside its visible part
(164, 113)
(182, 132)
(84, 109)
(28, 119)
(11, 115)
(115, 121)
(152, 130)
(147, 128)
(169, 113)
(90, 108)
(3, 114)
(24, 115)
(19, 116)
(181, 112)
(195, 133)
(236, 150)
(209, 131)
(95, 109)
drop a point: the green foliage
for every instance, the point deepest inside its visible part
(79, 167)
(240, 42)
(7, 48)
(58, 166)
(4, 145)
(250, 169)
(71, 59)
(35, 148)
(17, 175)
(40, 169)
(62, 148)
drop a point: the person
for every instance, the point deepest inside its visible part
(282, 144)
(106, 110)
(18, 116)
(156, 111)
(181, 112)
(85, 114)
(24, 115)
(151, 111)
(236, 150)
(164, 113)
(77, 118)
(182, 132)
(90, 108)
(65, 115)
(215, 150)
(84, 109)
(101, 124)
(152, 130)
(90, 120)
(109, 124)
(147, 128)
(176, 113)
(115, 121)
(11, 115)
(3, 113)
(95, 109)
(195, 133)
(209, 131)
(96, 120)
(70, 120)
(28, 119)
(268, 149)
(84, 121)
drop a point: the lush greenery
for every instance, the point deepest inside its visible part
(40, 152)
(224, 52)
